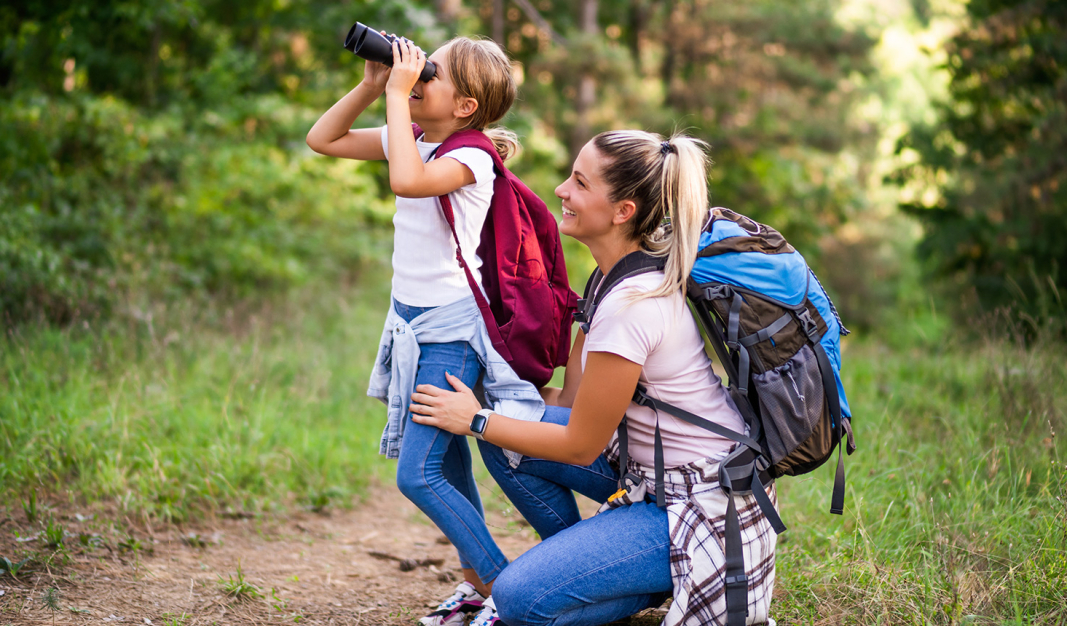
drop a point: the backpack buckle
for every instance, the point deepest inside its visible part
(762, 463)
(718, 292)
(811, 329)
(643, 399)
(581, 317)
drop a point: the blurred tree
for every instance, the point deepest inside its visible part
(164, 139)
(769, 84)
(989, 180)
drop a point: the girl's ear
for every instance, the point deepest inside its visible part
(465, 107)
(624, 211)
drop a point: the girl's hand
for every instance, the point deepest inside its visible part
(408, 61)
(448, 410)
(376, 75)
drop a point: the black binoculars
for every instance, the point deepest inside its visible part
(369, 44)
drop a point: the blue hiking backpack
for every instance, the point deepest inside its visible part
(778, 336)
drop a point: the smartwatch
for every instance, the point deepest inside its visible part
(480, 421)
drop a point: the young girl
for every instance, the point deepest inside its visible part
(434, 325)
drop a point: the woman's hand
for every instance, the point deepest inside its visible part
(408, 61)
(448, 410)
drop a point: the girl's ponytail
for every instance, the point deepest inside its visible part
(505, 141)
(480, 69)
(668, 181)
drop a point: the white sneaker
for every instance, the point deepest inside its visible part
(454, 611)
(487, 616)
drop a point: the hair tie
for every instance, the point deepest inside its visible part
(666, 148)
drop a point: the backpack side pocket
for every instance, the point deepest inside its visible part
(792, 403)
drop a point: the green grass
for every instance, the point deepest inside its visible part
(191, 411)
(957, 497)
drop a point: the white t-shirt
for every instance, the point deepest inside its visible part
(661, 335)
(425, 269)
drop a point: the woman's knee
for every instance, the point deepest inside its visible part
(511, 599)
(520, 598)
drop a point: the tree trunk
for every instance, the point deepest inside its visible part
(639, 12)
(498, 23)
(586, 98)
(667, 69)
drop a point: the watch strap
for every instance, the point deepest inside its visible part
(480, 422)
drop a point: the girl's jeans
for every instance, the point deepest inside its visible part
(434, 469)
(583, 572)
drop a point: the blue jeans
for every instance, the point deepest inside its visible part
(434, 468)
(583, 572)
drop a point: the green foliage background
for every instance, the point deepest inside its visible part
(155, 150)
(987, 179)
(191, 298)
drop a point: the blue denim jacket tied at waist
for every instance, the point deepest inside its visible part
(393, 379)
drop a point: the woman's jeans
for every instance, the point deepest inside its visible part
(583, 572)
(434, 469)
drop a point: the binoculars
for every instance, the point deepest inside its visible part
(367, 43)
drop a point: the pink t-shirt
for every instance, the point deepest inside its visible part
(661, 335)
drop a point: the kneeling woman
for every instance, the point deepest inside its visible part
(628, 191)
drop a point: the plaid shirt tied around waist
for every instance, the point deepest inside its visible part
(696, 514)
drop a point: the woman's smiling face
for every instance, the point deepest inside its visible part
(587, 210)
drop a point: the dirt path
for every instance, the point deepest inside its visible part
(320, 567)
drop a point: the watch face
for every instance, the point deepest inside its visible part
(478, 424)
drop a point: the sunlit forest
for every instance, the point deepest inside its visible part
(191, 297)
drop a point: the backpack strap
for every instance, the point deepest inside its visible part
(476, 289)
(633, 264)
(450, 216)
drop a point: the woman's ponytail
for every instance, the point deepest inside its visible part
(668, 181)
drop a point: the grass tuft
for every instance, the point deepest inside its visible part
(238, 588)
(54, 534)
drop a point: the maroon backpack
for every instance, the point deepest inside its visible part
(530, 303)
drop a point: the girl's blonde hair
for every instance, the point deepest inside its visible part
(668, 181)
(480, 69)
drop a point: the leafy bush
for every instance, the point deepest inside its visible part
(99, 197)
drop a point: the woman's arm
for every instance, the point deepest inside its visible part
(333, 135)
(608, 384)
(572, 377)
(409, 177)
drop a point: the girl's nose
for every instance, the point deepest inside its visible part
(560, 190)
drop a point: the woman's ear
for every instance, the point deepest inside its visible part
(465, 107)
(624, 211)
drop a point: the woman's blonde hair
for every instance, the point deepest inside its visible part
(480, 69)
(668, 181)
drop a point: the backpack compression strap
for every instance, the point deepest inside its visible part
(837, 499)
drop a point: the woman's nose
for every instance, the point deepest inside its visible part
(560, 189)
